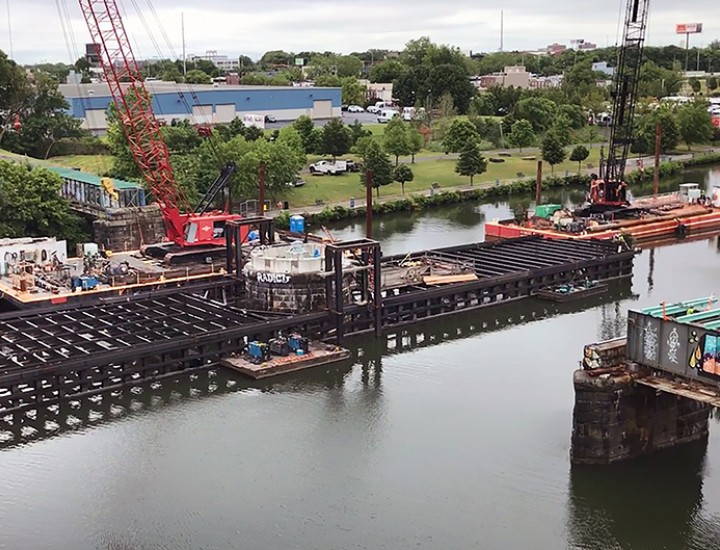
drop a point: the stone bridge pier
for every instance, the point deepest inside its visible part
(653, 389)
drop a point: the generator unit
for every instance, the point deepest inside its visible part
(259, 352)
(279, 346)
(298, 342)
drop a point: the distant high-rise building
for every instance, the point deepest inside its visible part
(222, 62)
(91, 54)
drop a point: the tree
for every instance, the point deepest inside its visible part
(16, 92)
(357, 131)
(353, 93)
(579, 154)
(711, 83)
(171, 74)
(416, 141)
(656, 81)
(561, 128)
(459, 134)
(471, 162)
(336, 138)
(31, 204)
(386, 71)
(670, 134)
(181, 138)
(305, 127)
(197, 77)
(521, 134)
(695, 85)
(291, 138)
(539, 111)
(245, 62)
(43, 118)
(552, 150)
(640, 145)
(378, 163)
(281, 166)
(694, 123)
(453, 80)
(403, 174)
(396, 140)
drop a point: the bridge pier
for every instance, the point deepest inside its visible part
(129, 228)
(617, 417)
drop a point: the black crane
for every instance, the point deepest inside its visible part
(609, 188)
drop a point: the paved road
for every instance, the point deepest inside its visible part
(347, 118)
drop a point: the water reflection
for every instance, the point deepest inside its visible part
(367, 353)
(626, 505)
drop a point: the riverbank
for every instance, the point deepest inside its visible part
(486, 191)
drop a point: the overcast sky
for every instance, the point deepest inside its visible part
(235, 27)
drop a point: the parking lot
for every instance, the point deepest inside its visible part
(347, 118)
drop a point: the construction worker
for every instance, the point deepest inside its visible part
(594, 188)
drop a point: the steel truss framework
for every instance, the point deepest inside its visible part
(49, 355)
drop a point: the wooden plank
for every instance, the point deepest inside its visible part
(448, 279)
(700, 392)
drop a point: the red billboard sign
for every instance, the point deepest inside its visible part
(688, 28)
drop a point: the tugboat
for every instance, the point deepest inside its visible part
(567, 292)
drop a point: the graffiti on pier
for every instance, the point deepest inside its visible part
(673, 345)
(705, 353)
(651, 341)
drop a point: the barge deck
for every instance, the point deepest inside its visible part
(49, 354)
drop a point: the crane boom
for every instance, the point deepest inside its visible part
(625, 89)
(186, 226)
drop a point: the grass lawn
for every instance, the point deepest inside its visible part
(93, 164)
(332, 189)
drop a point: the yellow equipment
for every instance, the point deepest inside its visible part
(107, 184)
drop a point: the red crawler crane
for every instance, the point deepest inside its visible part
(185, 227)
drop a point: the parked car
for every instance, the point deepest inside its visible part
(355, 109)
(374, 109)
(297, 182)
(270, 118)
(343, 107)
(386, 115)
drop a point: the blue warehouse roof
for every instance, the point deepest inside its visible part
(170, 98)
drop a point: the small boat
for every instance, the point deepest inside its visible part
(571, 291)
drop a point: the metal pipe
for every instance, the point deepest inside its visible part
(656, 172)
(538, 184)
(368, 204)
(261, 190)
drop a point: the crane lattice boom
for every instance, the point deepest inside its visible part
(134, 108)
(625, 89)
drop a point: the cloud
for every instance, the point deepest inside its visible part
(251, 28)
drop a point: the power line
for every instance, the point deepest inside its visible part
(12, 55)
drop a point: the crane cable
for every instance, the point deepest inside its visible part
(9, 25)
(213, 146)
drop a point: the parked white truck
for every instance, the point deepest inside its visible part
(331, 167)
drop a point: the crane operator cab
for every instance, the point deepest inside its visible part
(607, 192)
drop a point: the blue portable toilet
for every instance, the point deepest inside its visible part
(297, 224)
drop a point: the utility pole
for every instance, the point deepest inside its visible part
(502, 29)
(182, 22)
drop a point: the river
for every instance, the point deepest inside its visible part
(459, 441)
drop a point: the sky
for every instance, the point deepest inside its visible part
(33, 29)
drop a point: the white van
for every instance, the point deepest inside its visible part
(386, 115)
(254, 120)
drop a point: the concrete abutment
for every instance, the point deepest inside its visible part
(616, 419)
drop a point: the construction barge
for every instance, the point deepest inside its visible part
(645, 221)
(260, 364)
(37, 272)
(325, 292)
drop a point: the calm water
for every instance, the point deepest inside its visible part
(457, 441)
